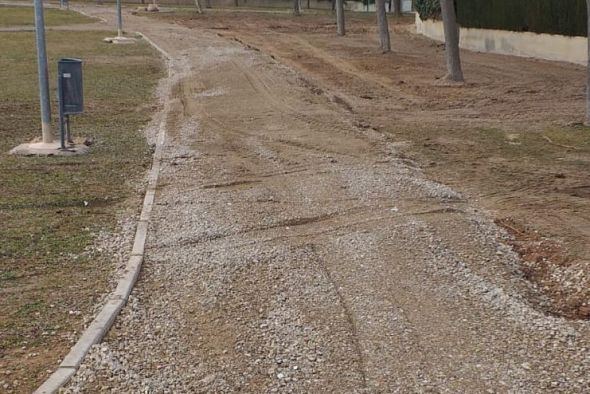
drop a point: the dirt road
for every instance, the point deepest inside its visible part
(294, 250)
(507, 139)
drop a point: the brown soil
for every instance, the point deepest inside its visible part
(509, 138)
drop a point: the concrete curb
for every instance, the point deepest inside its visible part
(101, 324)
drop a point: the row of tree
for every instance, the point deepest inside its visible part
(451, 32)
(451, 29)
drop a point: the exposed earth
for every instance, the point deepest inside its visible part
(332, 219)
(509, 139)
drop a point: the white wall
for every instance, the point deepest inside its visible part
(525, 44)
(360, 7)
(406, 5)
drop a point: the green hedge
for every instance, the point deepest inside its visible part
(428, 9)
(566, 17)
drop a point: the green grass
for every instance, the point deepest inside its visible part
(46, 195)
(46, 225)
(23, 16)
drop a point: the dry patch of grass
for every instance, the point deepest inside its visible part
(52, 208)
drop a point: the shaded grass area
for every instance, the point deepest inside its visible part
(24, 16)
(52, 208)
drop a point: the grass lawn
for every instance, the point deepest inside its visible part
(24, 16)
(52, 208)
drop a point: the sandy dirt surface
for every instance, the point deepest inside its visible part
(296, 248)
(508, 139)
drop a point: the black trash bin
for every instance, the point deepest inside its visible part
(70, 94)
(70, 86)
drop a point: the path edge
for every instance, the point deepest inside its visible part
(103, 321)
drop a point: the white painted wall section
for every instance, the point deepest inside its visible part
(525, 44)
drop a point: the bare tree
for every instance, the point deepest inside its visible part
(198, 7)
(297, 7)
(588, 71)
(395, 6)
(455, 73)
(383, 26)
(340, 17)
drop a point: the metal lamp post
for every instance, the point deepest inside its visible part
(120, 39)
(43, 73)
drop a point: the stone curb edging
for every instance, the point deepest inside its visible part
(101, 324)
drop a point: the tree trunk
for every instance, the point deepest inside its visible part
(297, 7)
(207, 3)
(455, 73)
(383, 27)
(588, 71)
(340, 17)
(397, 7)
(198, 7)
(236, 3)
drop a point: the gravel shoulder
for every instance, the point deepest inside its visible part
(293, 250)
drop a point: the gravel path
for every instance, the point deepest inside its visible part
(293, 251)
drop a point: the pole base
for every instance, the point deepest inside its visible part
(120, 40)
(50, 149)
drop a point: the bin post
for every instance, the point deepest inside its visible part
(60, 99)
(69, 138)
